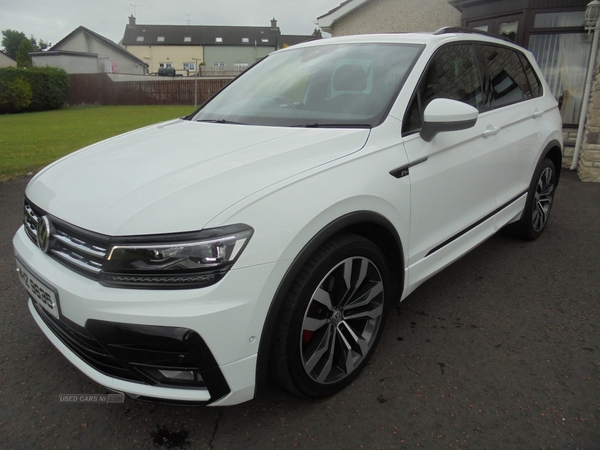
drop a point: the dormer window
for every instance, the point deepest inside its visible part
(160, 39)
(139, 39)
(187, 39)
(219, 40)
(245, 40)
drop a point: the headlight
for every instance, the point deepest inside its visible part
(184, 260)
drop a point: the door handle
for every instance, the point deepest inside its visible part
(537, 113)
(490, 131)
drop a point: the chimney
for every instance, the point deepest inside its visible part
(274, 25)
(131, 20)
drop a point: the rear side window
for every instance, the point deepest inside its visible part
(452, 73)
(508, 82)
(534, 82)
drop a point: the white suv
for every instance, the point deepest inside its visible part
(267, 234)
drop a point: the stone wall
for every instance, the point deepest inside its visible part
(569, 140)
(589, 160)
(393, 16)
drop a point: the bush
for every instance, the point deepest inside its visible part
(36, 89)
(50, 87)
(15, 92)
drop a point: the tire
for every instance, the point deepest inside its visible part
(539, 203)
(332, 319)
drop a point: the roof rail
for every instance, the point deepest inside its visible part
(448, 30)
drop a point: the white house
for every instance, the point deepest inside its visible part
(84, 51)
(6, 61)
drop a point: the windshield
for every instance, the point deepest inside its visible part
(345, 85)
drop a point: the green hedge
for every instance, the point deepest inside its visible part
(36, 89)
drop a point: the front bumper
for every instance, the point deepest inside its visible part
(118, 337)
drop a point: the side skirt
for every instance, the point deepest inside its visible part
(461, 243)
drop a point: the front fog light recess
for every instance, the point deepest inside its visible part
(184, 375)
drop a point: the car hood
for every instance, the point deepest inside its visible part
(177, 176)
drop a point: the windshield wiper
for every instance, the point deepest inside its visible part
(335, 125)
(221, 121)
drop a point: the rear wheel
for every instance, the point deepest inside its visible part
(332, 319)
(539, 203)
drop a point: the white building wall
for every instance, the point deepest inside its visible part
(70, 63)
(5, 61)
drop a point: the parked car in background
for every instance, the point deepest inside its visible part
(267, 234)
(166, 72)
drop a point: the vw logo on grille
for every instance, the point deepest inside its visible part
(44, 233)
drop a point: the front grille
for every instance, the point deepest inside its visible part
(79, 249)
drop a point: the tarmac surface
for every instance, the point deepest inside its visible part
(499, 351)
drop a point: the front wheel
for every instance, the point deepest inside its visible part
(332, 319)
(539, 203)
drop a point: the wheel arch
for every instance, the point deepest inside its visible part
(553, 151)
(368, 224)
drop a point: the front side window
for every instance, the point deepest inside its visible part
(453, 73)
(351, 85)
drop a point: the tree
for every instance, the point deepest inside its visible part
(11, 40)
(39, 46)
(317, 33)
(23, 56)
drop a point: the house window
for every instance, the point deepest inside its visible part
(219, 40)
(245, 40)
(160, 39)
(139, 39)
(189, 66)
(509, 30)
(562, 51)
(187, 39)
(265, 40)
(165, 65)
(219, 66)
(240, 67)
(559, 20)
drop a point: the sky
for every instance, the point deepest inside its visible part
(51, 20)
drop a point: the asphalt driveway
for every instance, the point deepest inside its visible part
(499, 351)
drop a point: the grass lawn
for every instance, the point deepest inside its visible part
(28, 142)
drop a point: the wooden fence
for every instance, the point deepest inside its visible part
(99, 89)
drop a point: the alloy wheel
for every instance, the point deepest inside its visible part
(342, 320)
(544, 194)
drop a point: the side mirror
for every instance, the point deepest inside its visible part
(443, 114)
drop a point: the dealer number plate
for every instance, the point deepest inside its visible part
(39, 291)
